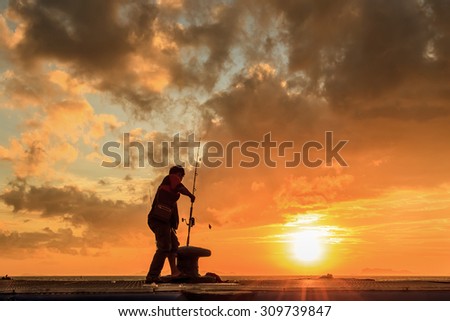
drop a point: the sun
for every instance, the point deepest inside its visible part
(307, 246)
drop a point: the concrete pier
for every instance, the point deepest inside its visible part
(251, 289)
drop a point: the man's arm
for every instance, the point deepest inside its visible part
(183, 190)
(177, 186)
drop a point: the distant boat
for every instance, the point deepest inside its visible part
(328, 276)
(6, 277)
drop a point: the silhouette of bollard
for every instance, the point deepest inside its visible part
(187, 259)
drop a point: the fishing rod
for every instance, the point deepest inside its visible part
(191, 221)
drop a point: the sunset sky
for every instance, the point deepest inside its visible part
(75, 74)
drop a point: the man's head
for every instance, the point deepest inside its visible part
(177, 170)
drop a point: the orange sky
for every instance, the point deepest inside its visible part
(374, 74)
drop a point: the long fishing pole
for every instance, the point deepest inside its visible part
(191, 219)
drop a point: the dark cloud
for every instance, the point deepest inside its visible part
(14, 197)
(316, 30)
(96, 35)
(218, 31)
(95, 38)
(75, 206)
(373, 58)
(439, 11)
(108, 42)
(258, 103)
(62, 241)
(99, 222)
(367, 58)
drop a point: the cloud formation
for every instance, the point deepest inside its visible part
(53, 137)
(372, 58)
(17, 244)
(69, 203)
(375, 72)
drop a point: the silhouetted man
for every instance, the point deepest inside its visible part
(165, 231)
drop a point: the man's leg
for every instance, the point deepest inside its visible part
(163, 247)
(173, 254)
(157, 265)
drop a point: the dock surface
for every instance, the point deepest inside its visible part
(259, 290)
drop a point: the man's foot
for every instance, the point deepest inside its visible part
(155, 279)
(176, 274)
(179, 276)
